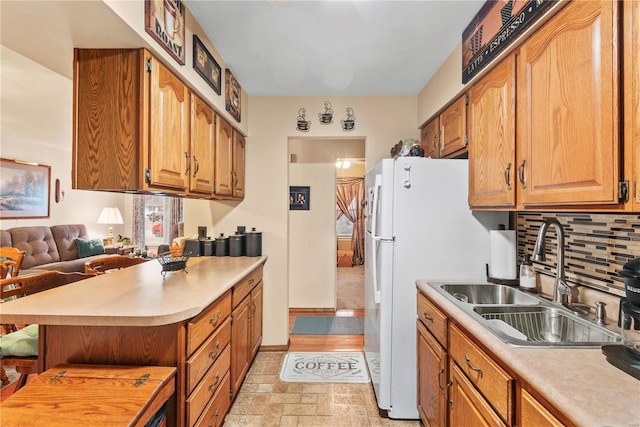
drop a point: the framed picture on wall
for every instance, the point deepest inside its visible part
(206, 65)
(299, 198)
(232, 94)
(24, 189)
(164, 21)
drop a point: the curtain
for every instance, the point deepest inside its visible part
(138, 220)
(350, 201)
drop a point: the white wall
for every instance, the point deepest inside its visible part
(35, 126)
(312, 238)
(382, 121)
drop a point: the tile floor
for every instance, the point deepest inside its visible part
(264, 400)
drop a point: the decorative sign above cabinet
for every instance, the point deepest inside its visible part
(233, 93)
(164, 21)
(493, 28)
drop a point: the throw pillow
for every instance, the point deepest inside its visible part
(22, 343)
(89, 247)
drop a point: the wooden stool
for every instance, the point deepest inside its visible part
(91, 395)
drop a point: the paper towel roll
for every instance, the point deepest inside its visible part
(503, 254)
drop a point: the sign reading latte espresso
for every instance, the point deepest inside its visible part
(494, 28)
(164, 20)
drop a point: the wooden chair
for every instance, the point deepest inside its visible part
(21, 286)
(102, 265)
(10, 263)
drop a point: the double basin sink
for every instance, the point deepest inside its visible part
(522, 319)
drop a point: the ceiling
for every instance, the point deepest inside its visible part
(339, 47)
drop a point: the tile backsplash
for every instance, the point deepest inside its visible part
(596, 246)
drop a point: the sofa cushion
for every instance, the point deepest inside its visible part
(89, 247)
(22, 343)
(5, 238)
(37, 243)
(65, 237)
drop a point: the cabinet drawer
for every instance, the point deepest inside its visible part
(207, 354)
(490, 379)
(213, 382)
(214, 414)
(201, 326)
(245, 286)
(434, 319)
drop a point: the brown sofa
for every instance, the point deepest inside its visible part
(48, 248)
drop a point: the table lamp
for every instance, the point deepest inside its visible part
(110, 216)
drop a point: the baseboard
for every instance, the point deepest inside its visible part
(314, 310)
(275, 347)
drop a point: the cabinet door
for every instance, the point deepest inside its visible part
(467, 407)
(532, 413)
(432, 379)
(430, 138)
(238, 165)
(224, 159)
(492, 138)
(631, 92)
(240, 344)
(568, 108)
(169, 129)
(452, 129)
(203, 135)
(256, 321)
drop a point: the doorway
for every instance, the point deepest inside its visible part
(313, 239)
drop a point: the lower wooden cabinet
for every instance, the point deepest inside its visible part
(432, 379)
(467, 407)
(533, 413)
(246, 327)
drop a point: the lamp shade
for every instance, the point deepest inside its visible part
(110, 216)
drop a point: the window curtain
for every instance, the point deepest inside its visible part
(138, 220)
(350, 201)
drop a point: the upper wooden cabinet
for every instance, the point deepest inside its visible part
(138, 128)
(491, 132)
(430, 138)
(567, 109)
(203, 137)
(631, 43)
(237, 172)
(224, 159)
(452, 129)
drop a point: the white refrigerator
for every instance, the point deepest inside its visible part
(418, 226)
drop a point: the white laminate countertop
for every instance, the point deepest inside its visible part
(134, 296)
(578, 382)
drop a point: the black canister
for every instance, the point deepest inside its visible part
(193, 247)
(208, 247)
(631, 273)
(254, 242)
(222, 245)
(236, 245)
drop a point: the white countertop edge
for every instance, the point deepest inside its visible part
(580, 383)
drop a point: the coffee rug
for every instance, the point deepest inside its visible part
(328, 325)
(327, 367)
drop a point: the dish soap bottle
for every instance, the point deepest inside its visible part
(527, 274)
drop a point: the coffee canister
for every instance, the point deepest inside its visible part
(209, 246)
(236, 245)
(222, 245)
(254, 242)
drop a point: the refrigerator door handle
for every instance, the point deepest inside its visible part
(374, 208)
(374, 271)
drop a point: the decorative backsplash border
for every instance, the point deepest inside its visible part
(596, 246)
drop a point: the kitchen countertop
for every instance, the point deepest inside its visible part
(578, 382)
(134, 296)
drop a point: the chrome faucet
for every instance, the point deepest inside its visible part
(561, 291)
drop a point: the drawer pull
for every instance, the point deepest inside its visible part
(213, 354)
(251, 281)
(214, 320)
(213, 386)
(427, 317)
(440, 380)
(473, 368)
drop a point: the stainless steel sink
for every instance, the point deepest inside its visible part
(488, 293)
(542, 325)
(523, 319)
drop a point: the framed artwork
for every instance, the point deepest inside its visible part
(299, 198)
(496, 26)
(24, 189)
(164, 21)
(232, 94)
(206, 65)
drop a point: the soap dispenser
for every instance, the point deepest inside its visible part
(527, 274)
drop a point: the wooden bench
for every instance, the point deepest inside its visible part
(91, 395)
